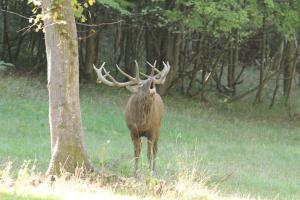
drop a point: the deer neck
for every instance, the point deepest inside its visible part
(145, 107)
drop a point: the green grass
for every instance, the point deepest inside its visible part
(242, 149)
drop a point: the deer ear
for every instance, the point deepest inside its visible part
(132, 88)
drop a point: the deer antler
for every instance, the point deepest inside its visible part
(159, 78)
(113, 82)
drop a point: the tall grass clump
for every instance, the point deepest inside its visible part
(190, 183)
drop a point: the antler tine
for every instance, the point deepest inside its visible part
(101, 78)
(137, 71)
(98, 71)
(166, 69)
(152, 70)
(124, 73)
(162, 75)
(153, 66)
(147, 76)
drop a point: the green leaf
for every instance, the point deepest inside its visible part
(118, 5)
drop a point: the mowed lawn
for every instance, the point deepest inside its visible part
(238, 152)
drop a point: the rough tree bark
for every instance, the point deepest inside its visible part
(67, 138)
(91, 54)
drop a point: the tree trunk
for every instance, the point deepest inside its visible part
(288, 68)
(132, 40)
(197, 63)
(153, 40)
(231, 71)
(276, 65)
(258, 97)
(172, 55)
(91, 52)
(5, 39)
(67, 138)
(289, 71)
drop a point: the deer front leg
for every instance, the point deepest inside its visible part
(152, 149)
(137, 151)
(154, 155)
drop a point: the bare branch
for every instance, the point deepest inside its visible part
(14, 13)
(97, 25)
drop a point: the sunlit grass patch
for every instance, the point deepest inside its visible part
(14, 196)
(27, 184)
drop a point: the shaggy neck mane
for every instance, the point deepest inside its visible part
(144, 105)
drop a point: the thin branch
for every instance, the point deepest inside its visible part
(25, 29)
(14, 13)
(97, 25)
(88, 36)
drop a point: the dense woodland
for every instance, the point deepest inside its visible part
(210, 44)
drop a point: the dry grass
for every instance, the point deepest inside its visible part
(28, 184)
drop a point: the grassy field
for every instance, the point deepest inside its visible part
(239, 149)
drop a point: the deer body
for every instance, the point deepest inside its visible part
(144, 109)
(144, 113)
(143, 117)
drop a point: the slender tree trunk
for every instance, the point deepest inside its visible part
(118, 55)
(258, 96)
(91, 54)
(290, 69)
(218, 77)
(91, 46)
(208, 75)
(197, 63)
(5, 39)
(153, 40)
(231, 67)
(131, 48)
(68, 149)
(236, 62)
(18, 47)
(173, 50)
(233, 63)
(276, 64)
(182, 63)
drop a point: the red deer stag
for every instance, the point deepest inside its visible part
(144, 109)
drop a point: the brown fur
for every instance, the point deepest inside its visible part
(143, 117)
